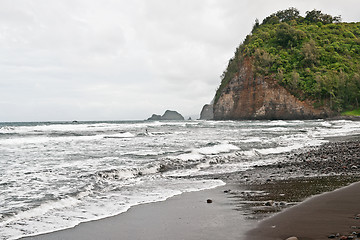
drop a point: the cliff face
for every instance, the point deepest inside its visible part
(250, 97)
(207, 112)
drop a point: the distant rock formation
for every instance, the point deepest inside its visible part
(168, 115)
(172, 115)
(155, 117)
(207, 112)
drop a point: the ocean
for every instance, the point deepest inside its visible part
(55, 175)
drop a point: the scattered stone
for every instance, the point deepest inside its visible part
(292, 238)
(163, 168)
(209, 201)
(332, 236)
(269, 203)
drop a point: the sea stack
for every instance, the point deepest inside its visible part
(168, 115)
(172, 115)
(207, 112)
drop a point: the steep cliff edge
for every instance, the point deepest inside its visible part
(207, 112)
(250, 97)
(292, 67)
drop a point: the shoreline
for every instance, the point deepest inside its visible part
(184, 216)
(240, 207)
(189, 216)
(329, 215)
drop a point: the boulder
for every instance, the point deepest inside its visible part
(292, 238)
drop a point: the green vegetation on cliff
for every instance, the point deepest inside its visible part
(355, 112)
(315, 57)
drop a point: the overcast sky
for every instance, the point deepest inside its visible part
(117, 59)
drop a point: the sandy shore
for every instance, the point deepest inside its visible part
(331, 214)
(186, 216)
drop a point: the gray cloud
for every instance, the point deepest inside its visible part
(111, 59)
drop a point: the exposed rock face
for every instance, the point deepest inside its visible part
(168, 115)
(155, 117)
(250, 97)
(172, 115)
(207, 112)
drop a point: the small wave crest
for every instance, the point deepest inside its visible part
(121, 135)
(200, 153)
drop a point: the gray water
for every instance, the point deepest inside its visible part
(57, 175)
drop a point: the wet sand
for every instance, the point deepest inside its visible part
(331, 214)
(186, 216)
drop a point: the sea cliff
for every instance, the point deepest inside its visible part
(248, 96)
(292, 67)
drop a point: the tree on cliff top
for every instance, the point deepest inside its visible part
(315, 57)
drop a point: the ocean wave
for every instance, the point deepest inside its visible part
(69, 212)
(99, 164)
(121, 135)
(200, 153)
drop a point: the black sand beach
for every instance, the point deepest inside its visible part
(238, 208)
(331, 215)
(186, 216)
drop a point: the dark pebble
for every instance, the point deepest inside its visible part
(209, 201)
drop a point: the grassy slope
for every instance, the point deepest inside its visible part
(352, 113)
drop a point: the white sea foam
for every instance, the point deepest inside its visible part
(254, 139)
(220, 148)
(41, 219)
(200, 153)
(121, 135)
